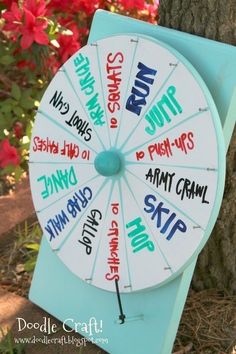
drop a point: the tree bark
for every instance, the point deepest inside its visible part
(214, 19)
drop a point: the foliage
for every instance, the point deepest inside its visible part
(36, 38)
(32, 254)
(18, 257)
(28, 237)
(7, 345)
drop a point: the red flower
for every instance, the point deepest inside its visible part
(36, 7)
(52, 64)
(74, 6)
(8, 154)
(69, 44)
(13, 18)
(152, 11)
(88, 6)
(59, 5)
(133, 4)
(33, 30)
(22, 64)
(18, 130)
(8, 3)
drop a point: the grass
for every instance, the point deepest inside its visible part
(18, 257)
(26, 245)
(8, 346)
(29, 242)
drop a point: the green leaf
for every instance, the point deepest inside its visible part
(18, 111)
(2, 6)
(27, 103)
(33, 246)
(8, 170)
(6, 108)
(5, 122)
(15, 91)
(18, 173)
(26, 146)
(52, 36)
(11, 101)
(7, 59)
(30, 264)
(27, 93)
(26, 100)
(28, 130)
(53, 28)
(2, 135)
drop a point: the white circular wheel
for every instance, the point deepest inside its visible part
(127, 163)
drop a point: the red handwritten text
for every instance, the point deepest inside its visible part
(184, 142)
(70, 150)
(113, 259)
(113, 69)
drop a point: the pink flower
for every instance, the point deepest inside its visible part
(33, 30)
(8, 154)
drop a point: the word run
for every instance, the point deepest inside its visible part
(139, 240)
(170, 225)
(87, 82)
(74, 205)
(113, 259)
(82, 126)
(158, 116)
(113, 69)
(53, 147)
(57, 181)
(141, 89)
(167, 147)
(89, 229)
(184, 187)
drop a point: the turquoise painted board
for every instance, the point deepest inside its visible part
(216, 66)
(153, 316)
(116, 177)
(150, 315)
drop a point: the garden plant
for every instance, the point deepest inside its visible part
(36, 38)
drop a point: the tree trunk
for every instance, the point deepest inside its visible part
(215, 19)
